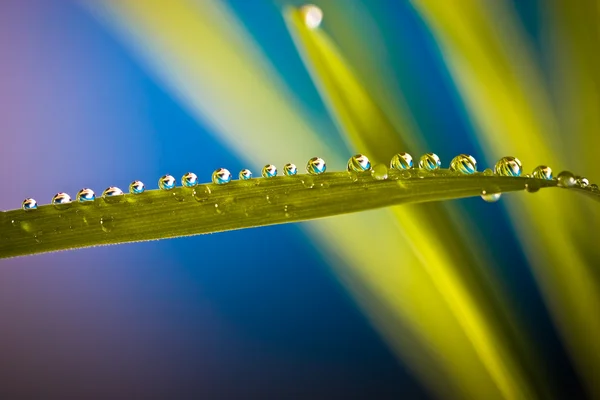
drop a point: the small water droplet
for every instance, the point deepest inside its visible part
(221, 176)
(85, 195)
(542, 172)
(533, 185)
(401, 161)
(405, 175)
(107, 223)
(316, 166)
(112, 194)
(166, 182)
(429, 162)
(488, 172)
(490, 197)
(137, 187)
(508, 166)
(594, 187)
(464, 163)
(566, 179)
(352, 175)
(179, 195)
(61, 201)
(290, 169)
(29, 204)
(202, 193)
(312, 15)
(582, 182)
(379, 172)
(189, 179)
(308, 182)
(269, 171)
(358, 163)
(245, 174)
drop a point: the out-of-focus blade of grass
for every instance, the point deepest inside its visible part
(203, 56)
(427, 228)
(503, 92)
(160, 214)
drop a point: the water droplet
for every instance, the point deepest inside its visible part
(166, 182)
(308, 182)
(61, 201)
(290, 170)
(429, 162)
(594, 187)
(269, 171)
(464, 163)
(85, 195)
(112, 191)
(358, 163)
(107, 223)
(542, 172)
(137, 187)
(490, 197)
(566, 179)
(29, 204)
(488, 172)
(582, 182)
(202, 193)
(316, 166)
(401, 161)
(189, 179)
(533, 185)
(221, 176)
(245, 174)
(508, 166)
(312, 15)
(379, 172)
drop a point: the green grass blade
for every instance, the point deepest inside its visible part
(209, 208)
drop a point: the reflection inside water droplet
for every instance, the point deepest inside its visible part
(85, 196)
(358, 163)
(269, 171)
(464, 163)
(316, 166)
(566, 179)
(401, 161)
(429, 162)
(61, 201)
(290, 169)
(245, 174)
(29, 204)
(137, 187)
(166, 182)
(490, 197)
(189, 180)
(542, 172)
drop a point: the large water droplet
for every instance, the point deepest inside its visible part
(508, 166)
(112, 191)
(542, 172)
(464, 164)
(269, 171)
(29, 204)
(312, 15)
(166, 182)
(429, 162)
(290, 169)
(566, 179)
(379, 172)
(582, 182)
(189, 179)
(61, 200)
(85, 195)
(401, 161)
(358, 163)
(490, 197)
(221, 176)
(245, 174)
(316, 166)
(137, 187)
(107, 223)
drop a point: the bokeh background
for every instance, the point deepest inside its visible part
(95, 94)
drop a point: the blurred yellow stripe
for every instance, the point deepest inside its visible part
(504, 93)
(368, 128)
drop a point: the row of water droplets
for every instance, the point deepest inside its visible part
(359, 163)
(221, 176)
